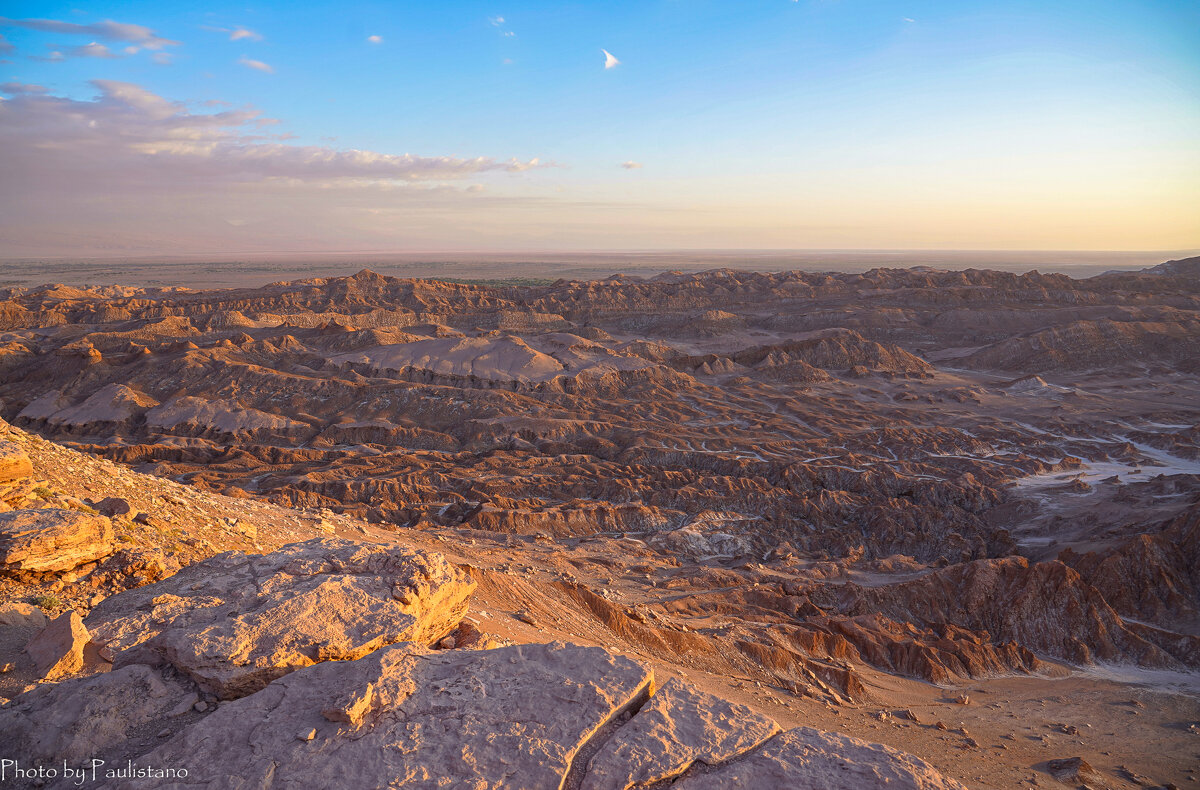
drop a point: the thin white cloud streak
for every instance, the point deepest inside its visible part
(243, 34)
(107, 30)
(631, 165)
(610, 61)
(258, 65)
(6, 46)
(375, 39)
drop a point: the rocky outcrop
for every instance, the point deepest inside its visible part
(680, 726)
(57, 650)
(1044, 606)
(805, 757)
(1152, 577)
(1092, 344)
(52, 540)
(401, 716)
(521, 716)
(234, 623)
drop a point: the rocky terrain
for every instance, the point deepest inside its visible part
(955, 513)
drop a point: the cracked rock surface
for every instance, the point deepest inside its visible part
(236, 622)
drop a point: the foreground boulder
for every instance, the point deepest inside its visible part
(57, 650)
(52, 540)
(405, 717)
(235, 622)
(525, 716)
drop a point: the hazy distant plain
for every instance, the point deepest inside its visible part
(234, 271)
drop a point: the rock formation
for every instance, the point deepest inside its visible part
(234, 623)
(802, 483)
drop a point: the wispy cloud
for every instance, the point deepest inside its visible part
(909, 19)
(128, 128)
(250, 63)
(610, 60)
(132, 167)
(499, 21)
(12, 88)
(6, 46)
(162, 58)
(92, 50)
(237, 33)
(631, 165)
(375, 39)
(106, 30)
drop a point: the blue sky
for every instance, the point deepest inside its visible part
(751, 123)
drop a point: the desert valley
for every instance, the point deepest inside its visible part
(624, 395)
(907, 527)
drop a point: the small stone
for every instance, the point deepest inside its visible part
(200, 706)
(525, 617)
(962, 699)
(448, 643)
(307, 735)
(164, 733)
(1074, 770)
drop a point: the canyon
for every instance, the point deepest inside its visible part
(944, 524)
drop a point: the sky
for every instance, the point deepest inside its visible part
(152, 128)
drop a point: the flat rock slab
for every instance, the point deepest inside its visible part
(57, 650)
(87, 717)
(403, 716)
(235, 622)
(815, 760)
(52, 540)
(680, 725)
(14, 463)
